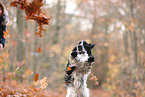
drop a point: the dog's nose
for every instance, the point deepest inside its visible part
(74, 54)
(91, 59)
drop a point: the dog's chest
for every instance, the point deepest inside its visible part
(80, 79)
(80, 75)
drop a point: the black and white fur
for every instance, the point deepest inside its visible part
(77, 70)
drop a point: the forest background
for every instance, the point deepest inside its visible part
(116, 27)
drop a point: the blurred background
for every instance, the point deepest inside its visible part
(116, 27)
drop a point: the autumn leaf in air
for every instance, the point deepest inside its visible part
(30, 71)
(39, 50)
(33, 11)
(94, 79)
(36, 77)
(39, 33)
(20, 64)
(6, 33)
(43, 82)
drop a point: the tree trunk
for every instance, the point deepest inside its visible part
(135, 65)
(105, 54)
(56, 37)
(56, 34)
(134, 35)
(35, 44)
(126, 53)
(20, 45)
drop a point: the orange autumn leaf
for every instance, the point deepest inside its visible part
(33, 89)
(66, 82)
(39, 50)
(94, 79)
(96, 83)
(30, 71)
(5, 33)
(41, 27)
(39, 33)
(43, 82)
(36, 77)
(68, 68)
(33, 11)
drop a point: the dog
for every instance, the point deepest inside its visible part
(77, 70)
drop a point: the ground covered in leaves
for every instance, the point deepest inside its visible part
(14, 89)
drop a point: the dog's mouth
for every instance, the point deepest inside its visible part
(83, 57)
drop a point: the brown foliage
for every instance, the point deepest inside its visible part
(39, 50)
(36, 77)
(33, 11)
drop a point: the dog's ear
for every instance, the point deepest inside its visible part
(91, 45)
(75, 48)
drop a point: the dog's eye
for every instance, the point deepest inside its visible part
(86, 47)
(80, 48)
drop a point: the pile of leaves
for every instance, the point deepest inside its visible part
(33, 11)
(15, 89)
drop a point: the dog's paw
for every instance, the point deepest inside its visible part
(91, 59)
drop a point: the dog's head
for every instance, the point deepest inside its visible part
(82, 52)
